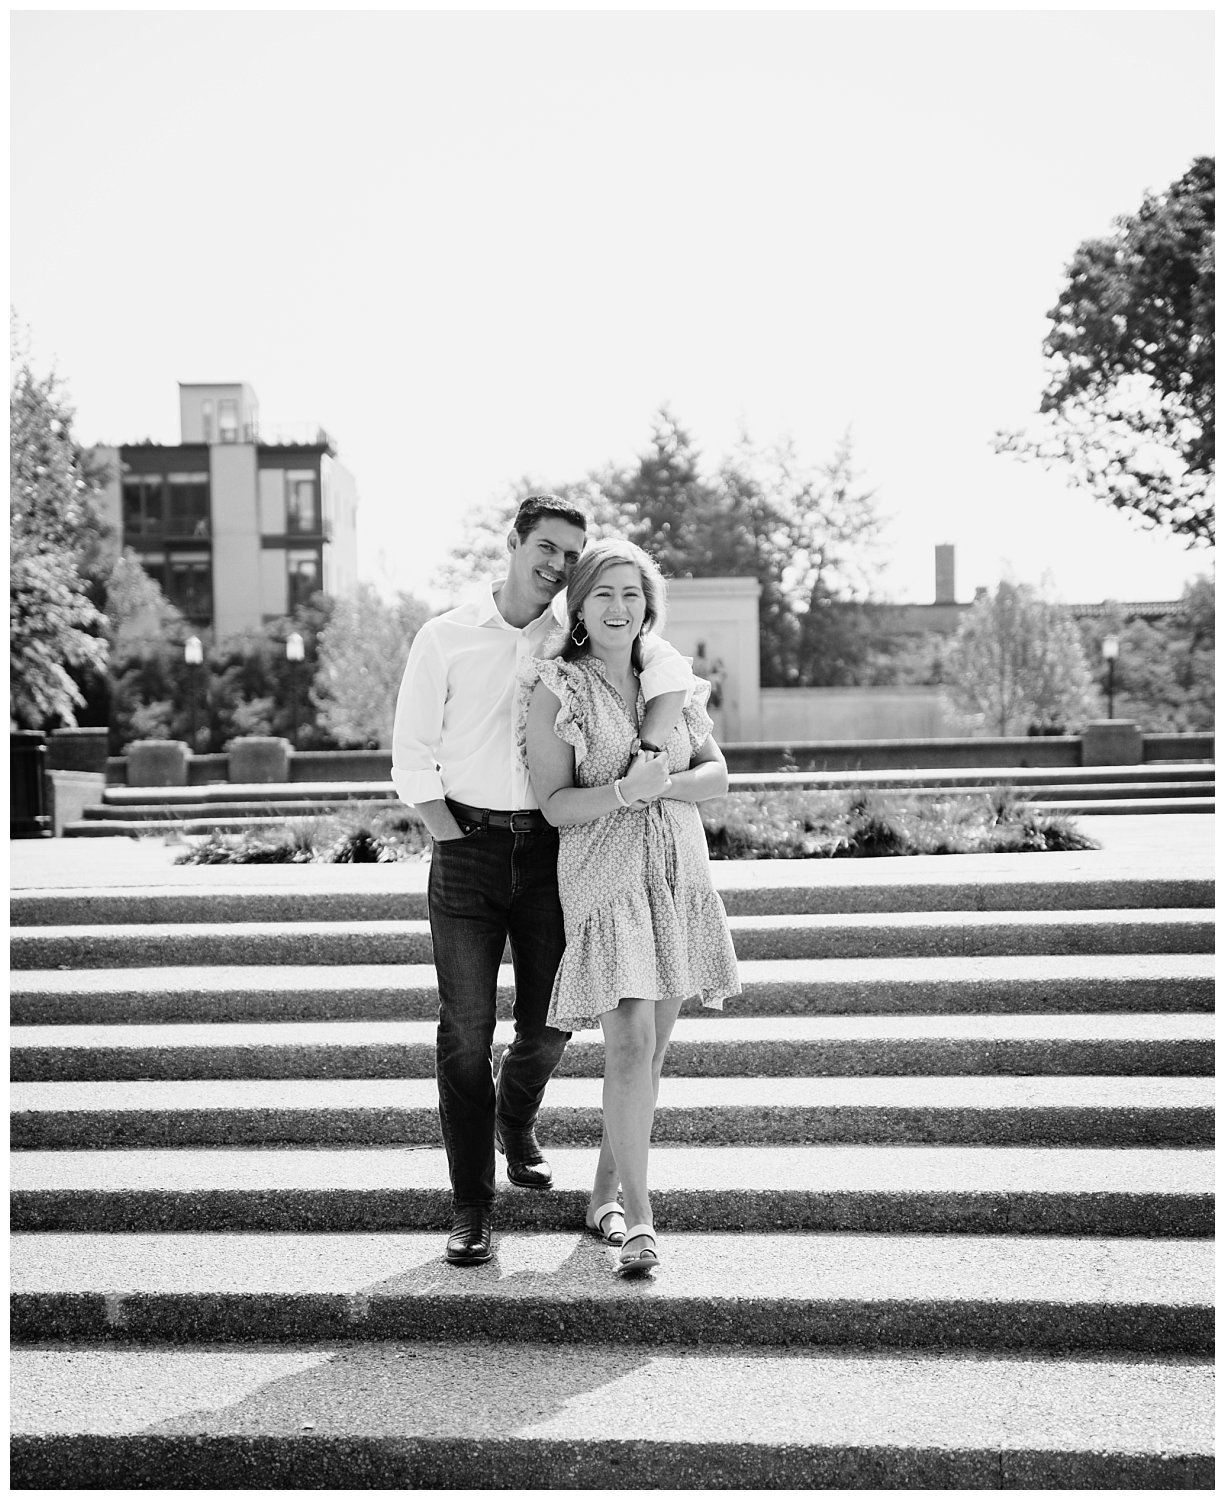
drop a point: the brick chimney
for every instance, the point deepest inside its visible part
(946, 582)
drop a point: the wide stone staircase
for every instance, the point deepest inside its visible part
(1176, 786)
(934, 1198)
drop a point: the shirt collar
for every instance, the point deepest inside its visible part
(488, 613)
(486, 610)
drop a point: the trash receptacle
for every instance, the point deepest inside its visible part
(28, 816)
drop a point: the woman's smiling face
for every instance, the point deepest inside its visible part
(615, 608)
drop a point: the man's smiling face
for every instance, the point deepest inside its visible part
(540, 562)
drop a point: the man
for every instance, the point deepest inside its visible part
(493, 871)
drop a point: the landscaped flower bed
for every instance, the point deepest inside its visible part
(775, 824)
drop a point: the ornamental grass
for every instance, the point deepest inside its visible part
(785, 823)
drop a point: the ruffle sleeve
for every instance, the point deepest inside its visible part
(568, 685)
(698, 723)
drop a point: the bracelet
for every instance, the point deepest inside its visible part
(616, 786)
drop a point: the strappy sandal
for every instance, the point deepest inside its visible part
(612, 1235)
(638, 1262)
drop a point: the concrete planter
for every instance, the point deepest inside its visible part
(259, 758)
(157, 763)
(77, 750)
(1111, 742)
(71, 792)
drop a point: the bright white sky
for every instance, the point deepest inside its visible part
(482, 245)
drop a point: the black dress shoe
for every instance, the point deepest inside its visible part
(471, 1240)
(525, 1163)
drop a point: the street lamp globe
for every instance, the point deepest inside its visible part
(193, 651)
(295, 647)
(1110, 648)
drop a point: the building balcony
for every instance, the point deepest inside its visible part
(295, 435)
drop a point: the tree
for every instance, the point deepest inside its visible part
(362, 653)
(1165, 673)
(54, 526)
(1130, 399)
(136, 609)
(482, 553)
(245, 685)
(1016, 662)
(688, 525)
(808, 535)
(813, 544)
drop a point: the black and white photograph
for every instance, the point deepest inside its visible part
(612, 748)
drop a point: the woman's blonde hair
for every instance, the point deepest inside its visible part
(595, 560)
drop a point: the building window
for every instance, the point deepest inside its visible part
(301, 503)
(305, 577)
(142, 505)
(206, 420)
(158, 505)
(189, 584)
(227, 421)
(188, 507)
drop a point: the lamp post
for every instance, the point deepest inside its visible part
(193, 655)
(295, 654)
(1110, 654)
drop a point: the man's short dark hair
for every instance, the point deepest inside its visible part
(537, 508)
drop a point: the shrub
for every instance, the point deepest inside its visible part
(364, 833)
(784, 824)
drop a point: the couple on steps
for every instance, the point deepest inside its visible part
(555, 747)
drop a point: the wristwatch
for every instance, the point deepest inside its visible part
(647, 745)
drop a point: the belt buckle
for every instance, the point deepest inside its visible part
(526, 827)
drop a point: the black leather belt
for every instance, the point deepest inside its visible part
(527, 820)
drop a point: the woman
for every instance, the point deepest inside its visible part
(645, 928)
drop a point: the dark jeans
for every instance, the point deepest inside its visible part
(490, 885)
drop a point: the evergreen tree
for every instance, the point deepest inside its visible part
(814, 543)
(688, 525)
(482, 553)
(55, 530)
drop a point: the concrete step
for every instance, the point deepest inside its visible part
(460, 1414)
(87, 828)
(1023, 776)
(280, 808)
(1164, 1193)
(767, 892)
(1153, 805)
(971, 777)
(1038, 985)
(1111, 791)
(975, 1110)
(769, 1046)
(254, 803)
(222, 792)
(904, 934)
(989, 1292)
(1078, 803)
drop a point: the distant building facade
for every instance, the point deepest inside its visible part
(715, 620)
(238, 525)
(944, 614)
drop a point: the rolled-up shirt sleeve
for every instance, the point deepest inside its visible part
(418, 724)
(664, 669)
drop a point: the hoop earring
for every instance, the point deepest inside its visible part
(575, 638)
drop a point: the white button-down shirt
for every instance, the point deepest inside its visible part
(454, 731)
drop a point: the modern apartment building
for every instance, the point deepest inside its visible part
(238, 524)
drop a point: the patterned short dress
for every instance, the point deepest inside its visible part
(642, 918)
